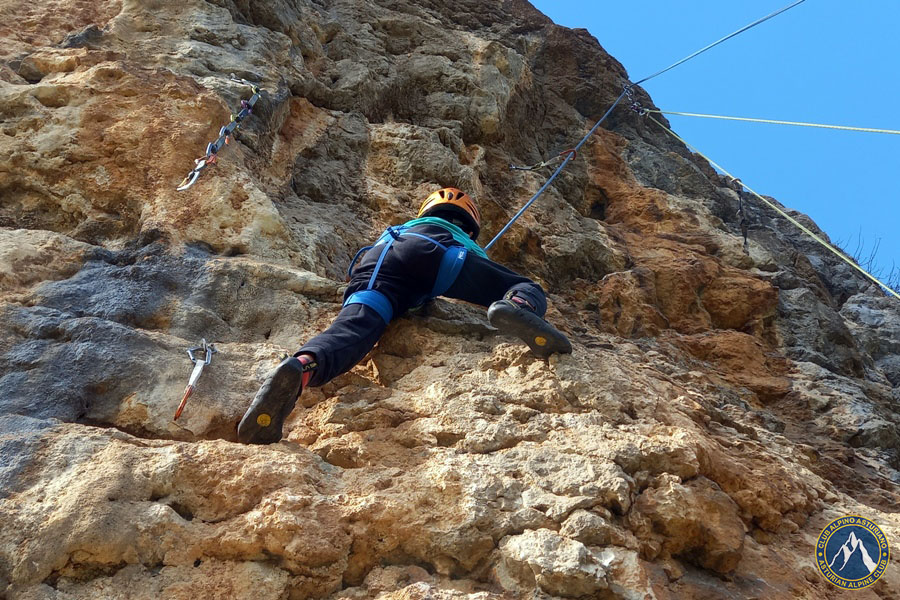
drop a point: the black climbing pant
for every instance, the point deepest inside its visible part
(407, 275)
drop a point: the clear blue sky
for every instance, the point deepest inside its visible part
(825, 61)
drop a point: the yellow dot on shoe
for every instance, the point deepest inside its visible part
(540, 341)
(263, 420)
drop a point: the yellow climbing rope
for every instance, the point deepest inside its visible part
(828, 246)
(775, 122)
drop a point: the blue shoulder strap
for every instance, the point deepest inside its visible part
(451, 264)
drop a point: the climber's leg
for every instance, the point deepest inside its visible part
(517, 304)
(339, 348)
(482, 281)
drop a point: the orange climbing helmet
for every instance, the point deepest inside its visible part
(453, 203)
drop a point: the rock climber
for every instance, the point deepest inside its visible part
(432, 255)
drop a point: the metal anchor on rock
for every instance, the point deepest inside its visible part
(199, 363)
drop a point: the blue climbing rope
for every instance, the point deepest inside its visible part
(717, 42)
(571, 154)
(629, 91)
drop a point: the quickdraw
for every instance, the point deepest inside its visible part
(635, 104)
(208, 350)
(559, 157)
(226, 133)
(738, 186)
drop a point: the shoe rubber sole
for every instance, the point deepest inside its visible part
(542, 338)
(264, 420)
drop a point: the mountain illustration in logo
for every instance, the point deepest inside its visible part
(851, 547)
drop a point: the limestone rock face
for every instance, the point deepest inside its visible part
(720, 408)
(557, 565)
(693, 519)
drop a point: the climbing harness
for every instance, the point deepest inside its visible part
(628, 91)
(773, 206)
(774, 122)
(208, 350)
(451, 264)
(226, 133)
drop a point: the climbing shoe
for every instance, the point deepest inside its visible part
(263, 421)
(514, 317)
